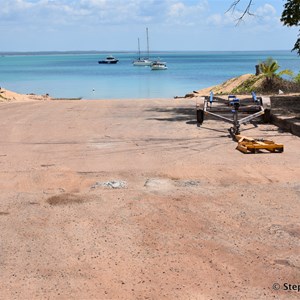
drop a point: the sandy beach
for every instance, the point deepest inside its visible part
(131, 200)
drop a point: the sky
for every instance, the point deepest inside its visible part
(115, 25)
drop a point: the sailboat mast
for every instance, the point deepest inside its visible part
(139, 48)
(147, 43)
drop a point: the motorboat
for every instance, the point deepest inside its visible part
(143, 61)
(159, 65)
(108, 60)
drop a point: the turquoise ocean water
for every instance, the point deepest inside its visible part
(74, 75)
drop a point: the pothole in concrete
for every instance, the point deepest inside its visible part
(158, 183)
(187, 183)
(165, 183)
(4, 213)
(64, 199)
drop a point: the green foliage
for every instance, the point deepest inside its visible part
(247, 86)
(291, 17)
(270, 80)
(269, 69)
(286, 72)
(291, 13)
(297, 46)
(288, 86)
(297, 78)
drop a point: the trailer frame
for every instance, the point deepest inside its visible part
(260, 106)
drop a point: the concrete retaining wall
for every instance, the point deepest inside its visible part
(290, 103)
(286, 113)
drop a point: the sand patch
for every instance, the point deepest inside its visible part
(10, 96)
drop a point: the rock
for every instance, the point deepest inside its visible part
(188, 183)
(113, 184)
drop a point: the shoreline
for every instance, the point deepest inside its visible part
(10, 96)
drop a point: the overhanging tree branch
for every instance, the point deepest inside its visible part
(290, 15)
(246, 11)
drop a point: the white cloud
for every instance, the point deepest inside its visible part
(59, 15)
(266, 10)
(216, 19)
(101, 11)
(267, 14)
(10, 6)
(77, 24)
(185, 13)
(176, 9)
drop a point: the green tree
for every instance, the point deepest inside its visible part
(291, 17)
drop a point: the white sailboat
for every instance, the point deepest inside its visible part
(143, 61)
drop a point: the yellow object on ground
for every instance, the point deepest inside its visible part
(250, 145)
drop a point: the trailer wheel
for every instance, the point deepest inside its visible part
(200, 116)
(267, 116)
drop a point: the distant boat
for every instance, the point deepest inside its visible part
(159, 65)
(143, 61)
(108, 60)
